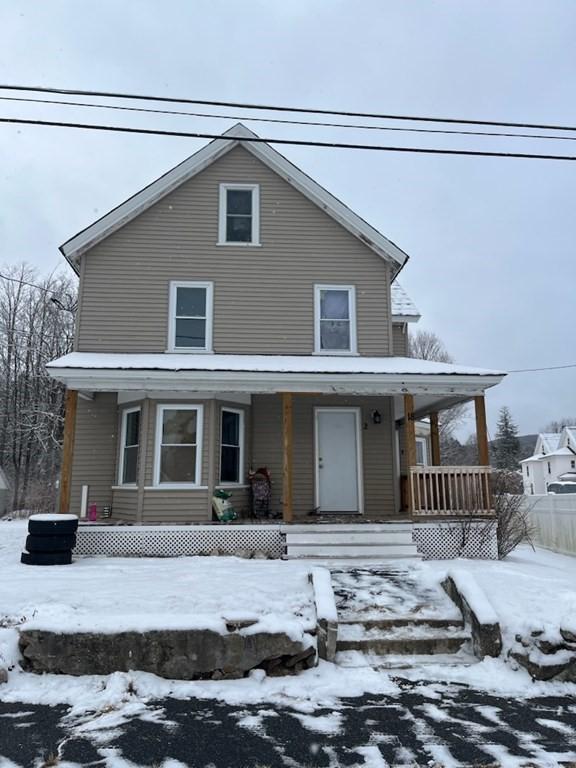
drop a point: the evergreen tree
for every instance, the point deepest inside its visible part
(506, 444)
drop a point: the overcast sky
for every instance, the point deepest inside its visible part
(492, 241)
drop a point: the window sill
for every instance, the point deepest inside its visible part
(176, 487)
(240, 245)
(188, 351)
(231, 486)
(126, 487)
(338, 352)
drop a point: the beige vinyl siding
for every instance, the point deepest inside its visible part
(377, 447)
(399, 340)
(94, 460)
(125, 504)
(263, 296)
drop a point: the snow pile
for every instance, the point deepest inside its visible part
(142, 594)
(323, 595)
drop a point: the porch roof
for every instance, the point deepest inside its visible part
(101, 372)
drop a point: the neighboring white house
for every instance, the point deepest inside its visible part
(554, 461)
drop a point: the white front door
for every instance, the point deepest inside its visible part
(338, 476)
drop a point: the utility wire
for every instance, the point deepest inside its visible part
(295, 142)
(276, 108)
(548, 368)
(312, 123)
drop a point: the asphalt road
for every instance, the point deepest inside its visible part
(460, 727)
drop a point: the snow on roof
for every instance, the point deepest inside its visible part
(535, 457)
(549, 440)
(402, 304)
(265, 364)
(561, 452)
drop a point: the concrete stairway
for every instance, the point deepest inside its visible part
(420, 637)
(380, 541)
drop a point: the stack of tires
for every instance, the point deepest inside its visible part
(50, 540)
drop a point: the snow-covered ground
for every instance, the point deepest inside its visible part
(529, 590)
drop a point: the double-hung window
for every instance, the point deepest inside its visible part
(129, 446)
(190, 325)
(421, 451)
(178, 456)
(335, 319)
(239, 214)
(231, 445)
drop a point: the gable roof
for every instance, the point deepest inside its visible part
(547, 442)
(238, 134)
(403, 308)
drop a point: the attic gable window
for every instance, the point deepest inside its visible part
(335, 320)
(190, 322)
(239, 215)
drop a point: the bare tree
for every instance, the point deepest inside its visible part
(512, 514)
(426, 345)
(559, 424)
(34, 329)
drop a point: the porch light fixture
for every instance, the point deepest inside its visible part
(376, 417)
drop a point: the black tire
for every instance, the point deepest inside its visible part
(64, 527)
(50, 543)
(46, 558)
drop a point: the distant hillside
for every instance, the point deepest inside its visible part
(527, 445)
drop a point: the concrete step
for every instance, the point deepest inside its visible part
(349, 537)
(419, 640)
(402, 621)
(380, 551)
(404, 525)
(356, 660)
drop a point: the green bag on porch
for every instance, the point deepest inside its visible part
(222, 506)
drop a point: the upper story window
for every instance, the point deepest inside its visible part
(335, 319)
(239, 214)
(190, 325)
(527, 471)
(129, 445)
(549, 469)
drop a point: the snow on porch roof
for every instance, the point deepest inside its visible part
(266, 374)
(316, 364)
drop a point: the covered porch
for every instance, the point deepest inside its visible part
(306, 418)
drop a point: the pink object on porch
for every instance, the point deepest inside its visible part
(92, 513)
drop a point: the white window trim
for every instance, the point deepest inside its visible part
(158, 443)
(125, 412)
(424, 442)
(241, 478)
(222, 212)
(352, 311)
(209, 287)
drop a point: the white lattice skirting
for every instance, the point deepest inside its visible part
(178, 540)
(452, 538)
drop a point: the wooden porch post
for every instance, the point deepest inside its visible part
(481, 431)
(409, 446)
(71, 404)
(287, 457)
(435, 439)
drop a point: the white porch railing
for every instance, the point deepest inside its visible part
(450, 491)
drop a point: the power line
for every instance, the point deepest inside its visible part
(294, 142)
(276, 108)
(547, 368)
(311, 123)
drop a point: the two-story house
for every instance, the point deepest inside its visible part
(553, 462)
(234, 315)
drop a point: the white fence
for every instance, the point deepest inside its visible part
(555, 517)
